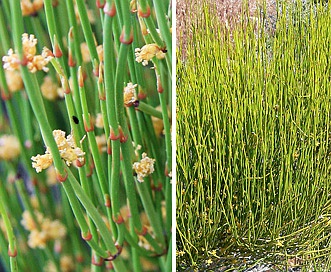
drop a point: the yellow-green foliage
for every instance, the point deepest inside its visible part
(253, 138)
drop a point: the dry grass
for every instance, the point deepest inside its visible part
(228, 11)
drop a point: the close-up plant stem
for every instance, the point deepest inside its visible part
(83, 141)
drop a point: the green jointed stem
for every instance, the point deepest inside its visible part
(14, 122)
(146, 196)
(33, 90)
(120, 150)
(89, 127)
(94, 214)
(36, 102)
(163, 25)
(148, 109)
(87, 30)
(54, 33)
(74, 27)
(114, 157)
(125, 148)
(50, 20)
(5, 41)
(12, 250)
(150, 212)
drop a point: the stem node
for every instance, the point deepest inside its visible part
(113, 257)
(61, 177)
(90, 127)
(100, 5)
(107, 201)
(97, 261)
(144, 13)
(110, 10)
(143, 231)
(118, 219)
(126, 39)
(12, 253)
(87, 236)
(122, 137)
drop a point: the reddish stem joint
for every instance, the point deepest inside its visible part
(118, 219)
(124, 38)
(110, 10)
(144, 13)
(87, 236)
(61, 177)
(88, 127)
(12, 253)
(113, 257)
(98, 262)
(157, 188)
(100, 5)
(123, 138)
(143, 231)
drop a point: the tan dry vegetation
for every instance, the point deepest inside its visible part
(228, 11)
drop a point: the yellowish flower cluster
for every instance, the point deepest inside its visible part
(101, 142)
(99, 121)
(31, 7)
(144, 168)
(31, 60)
(68, 151)
(14, 80)
(66, 264)
(147, 52)
(43, 230)
(51, 176)
(50, 90)
(130, 94)
(86, 53)
(136, 148)
(9, 147)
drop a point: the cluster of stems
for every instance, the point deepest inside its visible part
(107, 197)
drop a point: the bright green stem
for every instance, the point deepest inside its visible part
(51, 22)
(9, 229)
(70, 223)
(14, 122)
(87, 30)
(28, 206)
(144, 192)
(73, 23)
(150, 211)
(126, 149)
(163, 25)
(5, 41)
(33, 90)
(169, 256)
(54, 32)
(76, 208)
(114, 157)
(148, 109)
(166, 122)
(89, 127)
(94, 214)
(82, 170)
(36, 101)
